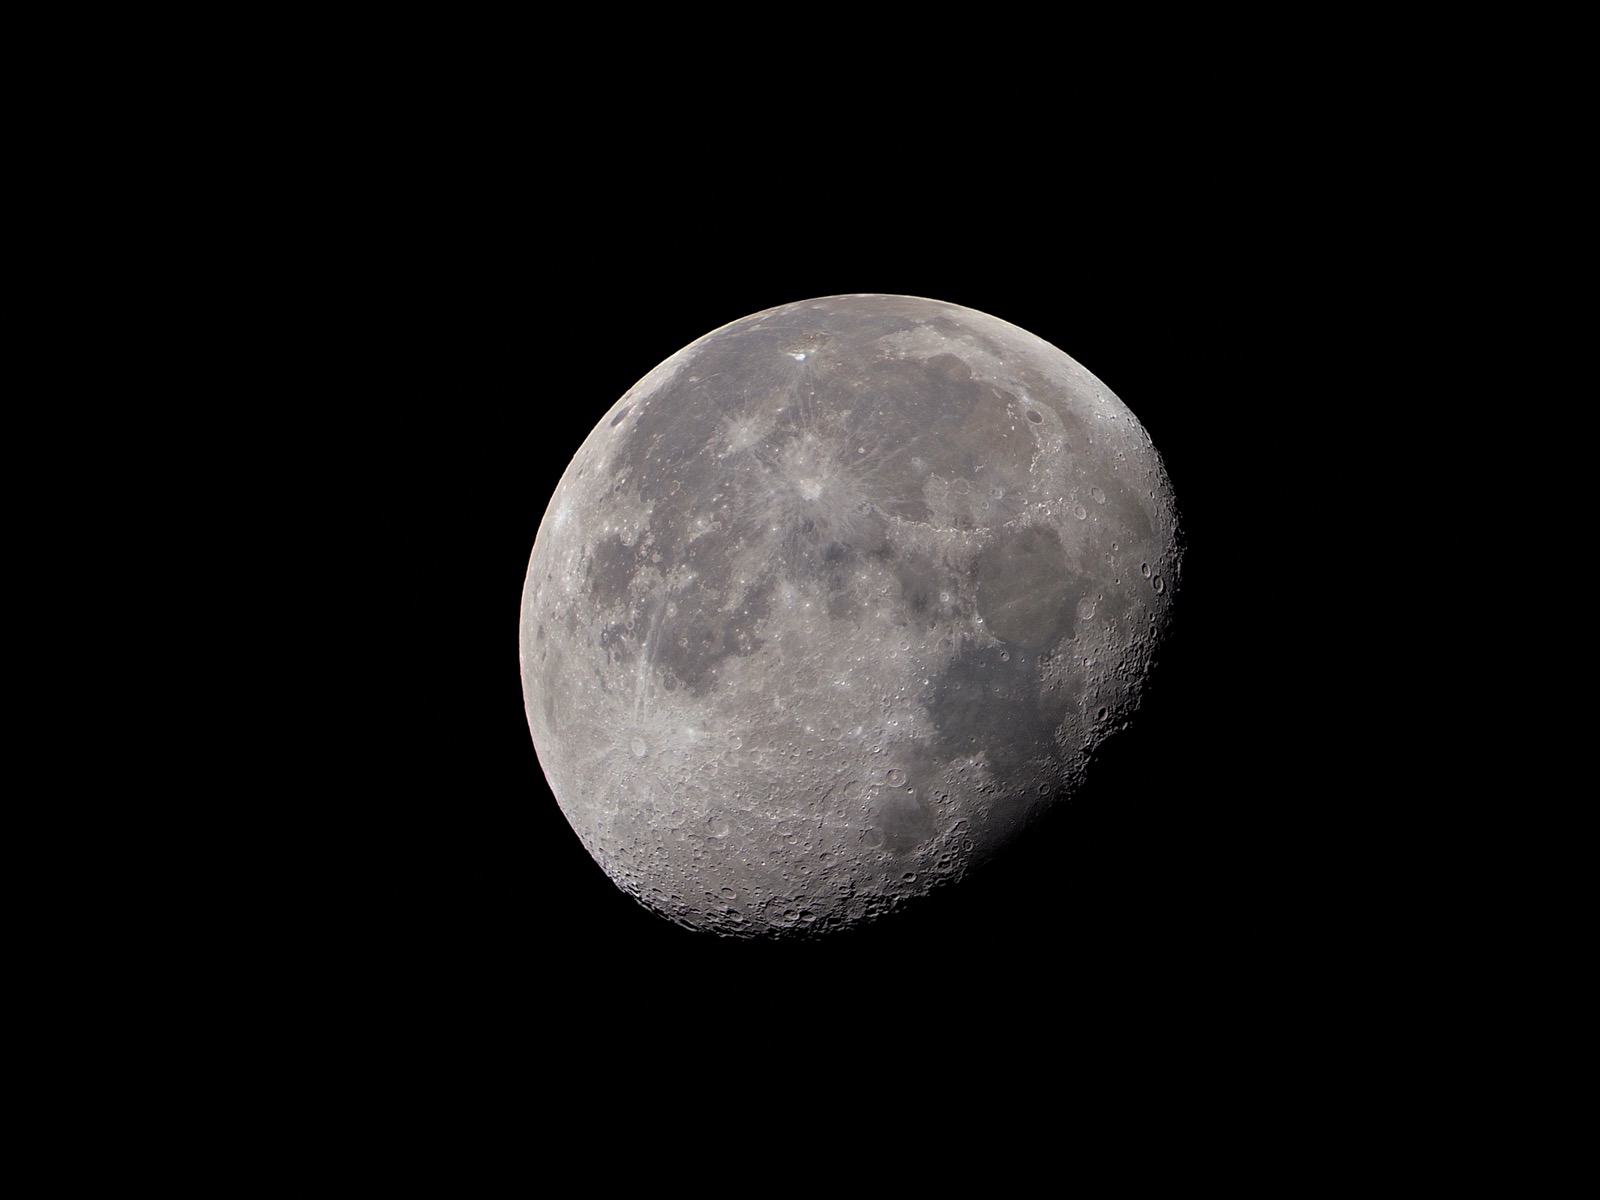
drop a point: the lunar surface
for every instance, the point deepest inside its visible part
(833, 603)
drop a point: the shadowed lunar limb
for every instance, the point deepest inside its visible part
(832, 602)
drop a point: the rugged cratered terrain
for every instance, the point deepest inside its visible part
(833, 602)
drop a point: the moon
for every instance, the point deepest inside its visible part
(834, 603)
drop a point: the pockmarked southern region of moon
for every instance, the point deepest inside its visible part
(833, 603)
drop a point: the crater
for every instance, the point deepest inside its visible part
(904, 823)
(609, 570)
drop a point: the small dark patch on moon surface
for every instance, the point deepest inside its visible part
(1026, 593)
(827, 609)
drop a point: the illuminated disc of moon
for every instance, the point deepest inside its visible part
(833, 602)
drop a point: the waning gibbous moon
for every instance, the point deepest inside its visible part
(833, 603)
